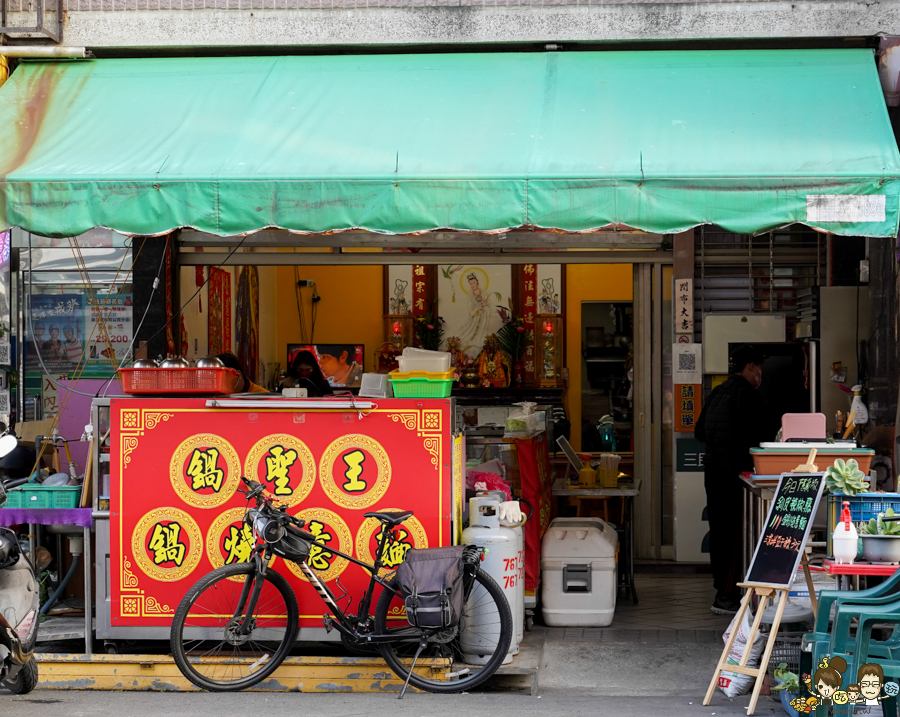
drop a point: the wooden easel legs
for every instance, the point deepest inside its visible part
(765, 594)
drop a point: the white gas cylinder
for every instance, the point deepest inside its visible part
(500, 561)
(516, 607)
(844, 540)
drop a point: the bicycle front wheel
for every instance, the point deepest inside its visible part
(455, 659)
(208, 640)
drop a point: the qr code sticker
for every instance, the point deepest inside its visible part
(4, 402)
(687, 362)
(4, 353)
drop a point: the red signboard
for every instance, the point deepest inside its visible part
(175, 465)
(534, 472)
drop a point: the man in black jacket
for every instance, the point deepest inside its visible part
(732, 422)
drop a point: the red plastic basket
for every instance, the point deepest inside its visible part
(179, 380)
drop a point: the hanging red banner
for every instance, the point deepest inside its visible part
(529, 309)
(534, 472)
(420, 290)
(219, 314)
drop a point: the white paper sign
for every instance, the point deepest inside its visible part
(686, 363)
(851, 209)
(684, 306)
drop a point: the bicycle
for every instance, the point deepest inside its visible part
(238, 623)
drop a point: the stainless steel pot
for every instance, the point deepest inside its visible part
(145, 363)
(209, 362)
(176, 362)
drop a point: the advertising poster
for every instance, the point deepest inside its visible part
(176, 515)
(118, 315)
(55, 333)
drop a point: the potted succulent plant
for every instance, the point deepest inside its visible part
(787, 684)
(846, 478)
(881, 538)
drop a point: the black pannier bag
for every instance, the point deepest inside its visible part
(430, 580)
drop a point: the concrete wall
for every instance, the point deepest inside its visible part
(221, 23)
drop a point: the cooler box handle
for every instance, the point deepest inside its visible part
(576, 578)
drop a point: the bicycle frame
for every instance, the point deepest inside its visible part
(343, 623)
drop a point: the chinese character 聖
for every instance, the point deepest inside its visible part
(277, 463)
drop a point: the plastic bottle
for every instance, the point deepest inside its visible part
(845, 541)
(858, 407)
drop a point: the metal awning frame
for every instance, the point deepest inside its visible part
(266, 248)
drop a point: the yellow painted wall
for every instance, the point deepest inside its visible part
(350, 311)
(588, 282)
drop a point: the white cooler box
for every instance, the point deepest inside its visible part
(578, 573)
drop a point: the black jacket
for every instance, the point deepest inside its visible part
(731, 423)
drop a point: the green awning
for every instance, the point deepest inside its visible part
(576, 141)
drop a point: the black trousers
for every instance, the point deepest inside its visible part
(725, 513)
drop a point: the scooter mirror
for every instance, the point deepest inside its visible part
(8, 444)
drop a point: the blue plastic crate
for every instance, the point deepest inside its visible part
(863, 507)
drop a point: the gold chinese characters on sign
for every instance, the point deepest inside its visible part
(284, 465)
(355, 471)
(330, 530)
(167, 544)
(205, 470)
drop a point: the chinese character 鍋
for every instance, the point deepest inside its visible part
(239, 544)
(203, 470)
(165, 546)
(319, 558)
(277, 463)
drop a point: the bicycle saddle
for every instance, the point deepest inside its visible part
(391, 518)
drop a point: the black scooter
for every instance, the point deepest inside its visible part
(19, 605)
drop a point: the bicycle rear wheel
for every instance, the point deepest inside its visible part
(455, 659)
(206, 643)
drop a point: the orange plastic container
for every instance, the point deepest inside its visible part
(185, 381)
(776, 462)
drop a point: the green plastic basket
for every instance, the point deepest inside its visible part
(15, 498)
(55, 496)
(421, 387)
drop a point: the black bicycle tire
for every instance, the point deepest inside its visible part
(225, 572)
(486, 671)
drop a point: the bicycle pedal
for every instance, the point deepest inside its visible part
(328, 622)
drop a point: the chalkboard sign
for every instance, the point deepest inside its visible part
(787, 527)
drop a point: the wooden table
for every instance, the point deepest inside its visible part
(562, 488)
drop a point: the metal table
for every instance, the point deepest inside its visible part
(562, 488)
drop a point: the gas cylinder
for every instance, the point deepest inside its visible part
(516, 607)
(500, 561)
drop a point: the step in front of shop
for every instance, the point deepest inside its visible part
(160, 673)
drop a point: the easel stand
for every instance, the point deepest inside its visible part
(765, 593)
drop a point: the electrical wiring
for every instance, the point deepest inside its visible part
(199, 289)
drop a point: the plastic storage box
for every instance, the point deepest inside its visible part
(186, 381)
(775, 461)
(578, 573)
(863, 507)
(421, 384)
(414, 359)
(39, 496)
